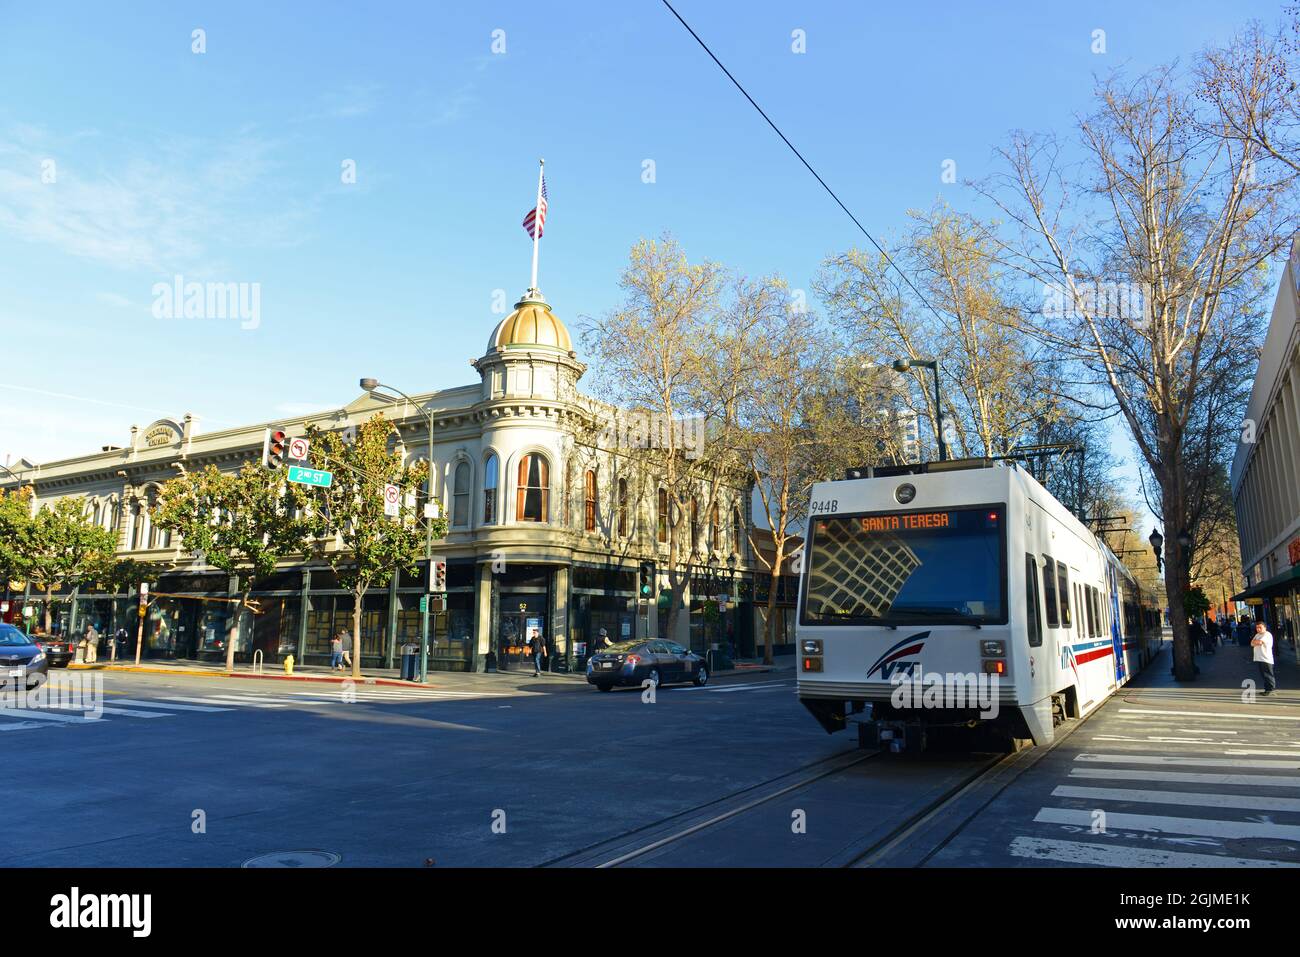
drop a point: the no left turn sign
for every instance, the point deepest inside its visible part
(298, 449)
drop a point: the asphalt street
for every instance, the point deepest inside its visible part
(478, 770)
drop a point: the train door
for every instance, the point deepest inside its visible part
(1116, 636)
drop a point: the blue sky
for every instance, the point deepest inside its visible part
(226, 166)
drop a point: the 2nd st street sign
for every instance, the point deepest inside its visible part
(314, 477)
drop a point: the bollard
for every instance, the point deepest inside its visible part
(288, 664)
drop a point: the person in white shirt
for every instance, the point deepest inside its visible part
(1262, 644)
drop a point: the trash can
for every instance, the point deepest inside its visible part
(410, 662)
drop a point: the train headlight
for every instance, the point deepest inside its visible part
(992, 648)
(812, 646)
(905, 493)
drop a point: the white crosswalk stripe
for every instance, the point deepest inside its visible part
(78, 710)
(1154, 792)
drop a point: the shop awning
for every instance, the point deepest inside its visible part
(1274, 587)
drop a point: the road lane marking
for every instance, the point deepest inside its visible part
(1251, 802)
(1187, 777)
(206, 700)
(1192, 762)
(140, 702)
(1074, 852)
(1211, 714)
(1159, 823)
(50, 716)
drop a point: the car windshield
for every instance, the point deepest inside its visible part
(9, 635)
(907, 568)
(623, 647)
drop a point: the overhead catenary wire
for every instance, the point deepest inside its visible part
(776, 129)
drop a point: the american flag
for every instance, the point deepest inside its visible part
(537, 216)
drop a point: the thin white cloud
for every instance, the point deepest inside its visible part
(113, 299)
(159, 211)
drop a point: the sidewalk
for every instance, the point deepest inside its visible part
(1221, 677)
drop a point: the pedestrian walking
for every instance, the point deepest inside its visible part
(119, 641)
(336, 652)
(1263, 655)
(601, 642)
(1197, 635)
(347, 650)
(538, 649)
(92, 644)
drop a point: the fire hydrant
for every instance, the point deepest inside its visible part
(288, 664)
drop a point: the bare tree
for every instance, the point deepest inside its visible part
(1154, 290)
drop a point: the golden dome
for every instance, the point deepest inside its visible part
(531, 324)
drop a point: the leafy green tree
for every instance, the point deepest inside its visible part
(15, 518)
(60, 546)
(369, 545)
(1195, 603)
(241, 523)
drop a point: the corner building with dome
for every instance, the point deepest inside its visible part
(547, 531)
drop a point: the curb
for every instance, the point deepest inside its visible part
(195, 673)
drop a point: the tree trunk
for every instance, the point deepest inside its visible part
(358, 597)
(1173, 509)
(49, 604)
(777, 558)
(233, 638)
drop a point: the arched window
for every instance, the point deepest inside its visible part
(460, 496)
(589, 501)
(567, 494)
(490, 482)
(534, 489)
(714, 528)
(622, 508)
(663, 515)
(737, 530)
(136, 525)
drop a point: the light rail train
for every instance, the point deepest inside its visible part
(961, 595)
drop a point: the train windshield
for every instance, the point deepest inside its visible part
(908, 568)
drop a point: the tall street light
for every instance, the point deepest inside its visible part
(373, 385)
(902, 365)
(1157, 545)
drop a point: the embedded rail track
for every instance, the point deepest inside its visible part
(861, 809)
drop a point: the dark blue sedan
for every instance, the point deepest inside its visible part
(636, 662)
(21, 659)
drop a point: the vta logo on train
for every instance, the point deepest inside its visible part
(889, 664)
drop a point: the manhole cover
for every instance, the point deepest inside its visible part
(294, 859)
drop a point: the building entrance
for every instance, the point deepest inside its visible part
(522, 617)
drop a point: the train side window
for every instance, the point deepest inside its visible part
(1063, 588)
(1032, 602)
(1092, 613)
(1049, 592)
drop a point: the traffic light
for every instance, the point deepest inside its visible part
(437, 571)
(647, 580)
(273, 449)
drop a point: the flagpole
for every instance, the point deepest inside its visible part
(537, 220)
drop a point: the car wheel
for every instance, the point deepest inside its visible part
(701, 677)
(605, 687)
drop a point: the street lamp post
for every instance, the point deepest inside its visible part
(372, 385)
(1157, 545)
(902, 365)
